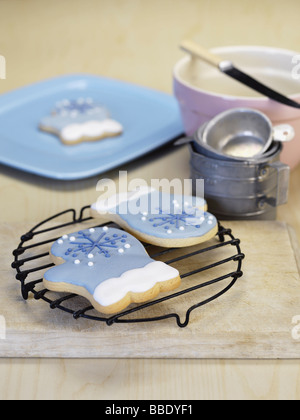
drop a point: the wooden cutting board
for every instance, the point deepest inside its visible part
(254, 319)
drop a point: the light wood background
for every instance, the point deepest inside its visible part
(136, 41)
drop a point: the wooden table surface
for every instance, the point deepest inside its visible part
(136, 41)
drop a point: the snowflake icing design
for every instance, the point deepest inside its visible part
(178, 220)
(79, 106)
(103, 245)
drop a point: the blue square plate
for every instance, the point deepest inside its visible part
(150, 119)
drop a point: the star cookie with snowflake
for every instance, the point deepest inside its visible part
(78, 120)
(109, 267)
(158, 218)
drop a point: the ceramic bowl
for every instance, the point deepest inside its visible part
(204, 92)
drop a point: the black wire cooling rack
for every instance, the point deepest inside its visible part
(30, 252)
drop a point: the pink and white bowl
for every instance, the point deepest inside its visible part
(203, 91)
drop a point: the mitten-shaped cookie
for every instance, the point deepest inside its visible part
(158, 218)
(109, 267)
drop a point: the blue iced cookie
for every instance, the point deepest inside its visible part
(109, 267)
(159, 219)
(75, 121)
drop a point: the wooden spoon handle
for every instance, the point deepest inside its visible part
(200, 52)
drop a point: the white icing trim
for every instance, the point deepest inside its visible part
(138, 280)
(111, 203)
(90, 129)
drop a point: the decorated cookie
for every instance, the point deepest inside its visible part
(75, 121)
(159, 219)
(109, 267)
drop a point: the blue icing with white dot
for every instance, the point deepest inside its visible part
(94, 255)
(167, 216)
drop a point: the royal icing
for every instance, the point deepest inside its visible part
(108, 263)
(115, 289)
(114, 202)
(73, 120)
(90, 129)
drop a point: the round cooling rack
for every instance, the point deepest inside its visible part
(32, 259)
